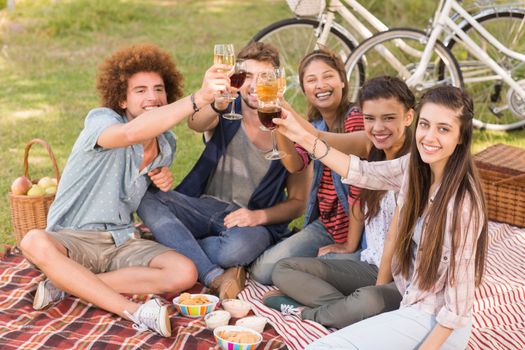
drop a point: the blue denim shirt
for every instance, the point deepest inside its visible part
(312, 210)
(100, 188)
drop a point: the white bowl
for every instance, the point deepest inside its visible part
(237, 308)
(226, 344)
(217, 318)
(257, 323)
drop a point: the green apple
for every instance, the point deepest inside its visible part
(45, 182)
(36, 190)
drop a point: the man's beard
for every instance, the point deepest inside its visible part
(247, 102)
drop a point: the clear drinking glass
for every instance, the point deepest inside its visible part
(236, 80)
(224, 54)
(266, 88)
(281, 80)
(267, 110)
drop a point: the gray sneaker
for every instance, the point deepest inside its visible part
(47, 293)
(151, 315)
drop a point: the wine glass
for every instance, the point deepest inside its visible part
(267, 110)
(224, 54)
(266, 88)
(236, 80)
(281, 80)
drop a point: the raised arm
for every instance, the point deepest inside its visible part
(154, 122)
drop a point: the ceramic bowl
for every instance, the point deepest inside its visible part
(237, 308)
(197, 310)
(217, 318)
(257, 323)
(223, 336)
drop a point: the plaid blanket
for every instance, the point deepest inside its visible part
(73, 324)
(498, 311)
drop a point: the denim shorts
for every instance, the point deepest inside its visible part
(97, 251)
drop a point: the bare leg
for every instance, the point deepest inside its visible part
(71, 277)
(168, 272)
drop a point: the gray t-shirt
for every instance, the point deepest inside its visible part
(101, 188)
(239, 171)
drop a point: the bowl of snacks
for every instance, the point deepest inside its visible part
(195, 305)
(237, 337)
(237, 308)
(217, 318)
(257, 323)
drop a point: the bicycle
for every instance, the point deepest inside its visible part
(498, 87)
(315, 25)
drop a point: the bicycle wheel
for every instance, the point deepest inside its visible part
(496, 106)
(296, 37)
(397, 52)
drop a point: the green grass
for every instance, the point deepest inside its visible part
(50, 50)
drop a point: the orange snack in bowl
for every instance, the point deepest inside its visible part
(188, 299)
(242, 337)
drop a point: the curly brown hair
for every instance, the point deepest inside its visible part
(115, 71)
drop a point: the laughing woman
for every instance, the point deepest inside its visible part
(438, 238)
(322, 75)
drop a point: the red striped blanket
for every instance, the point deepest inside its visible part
(499, 309)
(73, 324)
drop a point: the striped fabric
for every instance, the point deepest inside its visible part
(73, 324)
(499, 308)
(331, 212)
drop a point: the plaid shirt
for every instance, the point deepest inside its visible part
(451, 303)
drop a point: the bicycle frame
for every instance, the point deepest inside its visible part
(337, 6)
(443, 21)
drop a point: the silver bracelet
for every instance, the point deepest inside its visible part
(312, 155)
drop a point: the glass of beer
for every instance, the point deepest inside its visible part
(267, 110)
(266, 86)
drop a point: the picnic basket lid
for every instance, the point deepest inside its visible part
(502, 158)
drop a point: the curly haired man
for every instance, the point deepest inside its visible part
(89, 248)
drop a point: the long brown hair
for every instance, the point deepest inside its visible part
(334, 61)
(460, 180)
(384, 87)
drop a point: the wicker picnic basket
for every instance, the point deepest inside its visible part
(306, 8)
(502, 170)
(29, 212)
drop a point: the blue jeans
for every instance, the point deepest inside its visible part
(405, 328)
(304, 243)
(195, 228)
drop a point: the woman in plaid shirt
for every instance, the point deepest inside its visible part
(437, 242)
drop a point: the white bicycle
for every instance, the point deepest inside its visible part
(295, 37)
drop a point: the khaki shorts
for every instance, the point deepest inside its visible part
(98, 252)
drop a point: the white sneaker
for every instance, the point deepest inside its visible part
(290, 310)
(151, 315)
(47, 293)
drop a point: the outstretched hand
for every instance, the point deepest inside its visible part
(162, 178)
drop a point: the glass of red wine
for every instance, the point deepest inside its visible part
(236, 80)
(267, 110)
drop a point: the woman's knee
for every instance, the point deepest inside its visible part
(282, 269)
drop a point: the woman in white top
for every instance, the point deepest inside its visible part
(438, 238)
